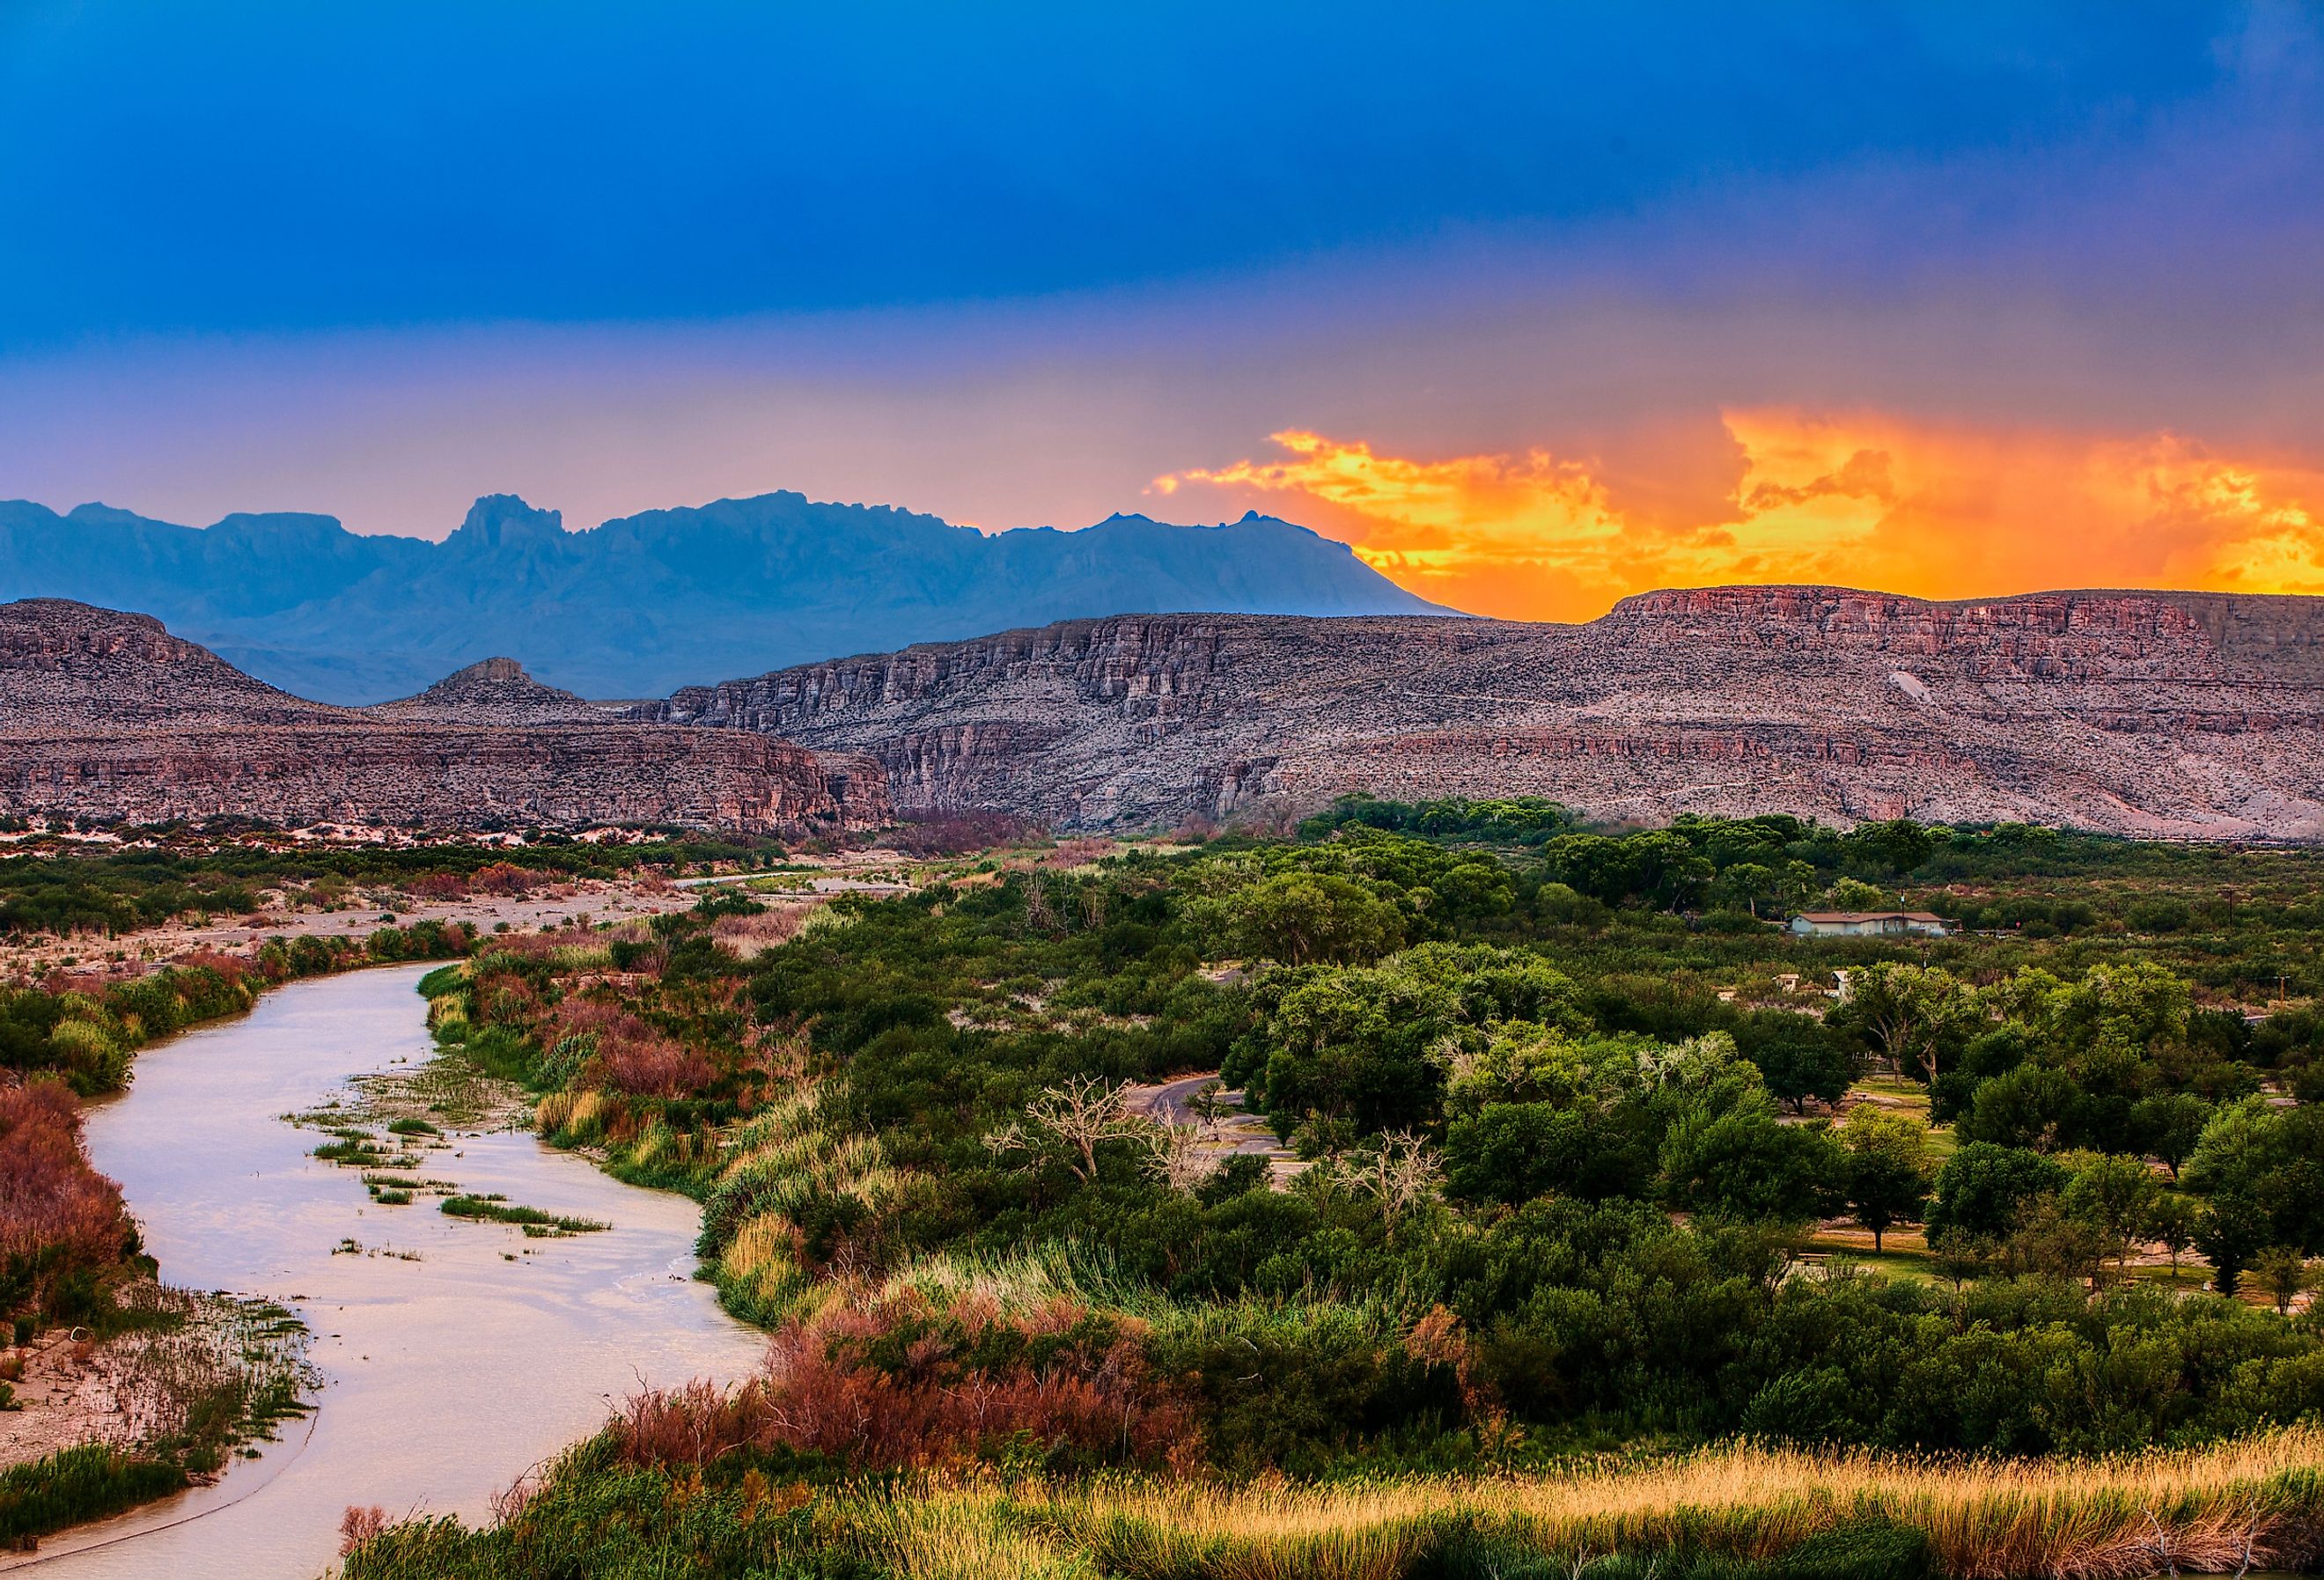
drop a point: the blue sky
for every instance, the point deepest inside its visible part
(238, 167)
(1014, 263)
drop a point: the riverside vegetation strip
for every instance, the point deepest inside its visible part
(123, 1391)
(170, 1383)
(1585, 1140)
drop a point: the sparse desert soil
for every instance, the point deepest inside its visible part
(64, 1395)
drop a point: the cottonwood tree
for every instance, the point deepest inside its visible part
(1917, 1013)
(1299, 917)
(2116, 1195)
(2172, 1224)
(1079, 1115)
(1887, 1172)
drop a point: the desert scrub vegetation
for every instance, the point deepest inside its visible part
(49, 884)
(1558, 1191)
(1739, 1513)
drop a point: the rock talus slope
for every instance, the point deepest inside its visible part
(107, 714)
(2157, 713)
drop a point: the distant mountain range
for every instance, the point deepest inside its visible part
(643, 604)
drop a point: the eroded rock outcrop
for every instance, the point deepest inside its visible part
(104, 713)
(2146, 713)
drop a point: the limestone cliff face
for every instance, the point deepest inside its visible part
(2148, 713)
(104, 713)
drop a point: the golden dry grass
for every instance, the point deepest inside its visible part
(953, 1534)
(2258, 1504)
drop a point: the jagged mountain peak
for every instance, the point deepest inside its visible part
(506, 517)
(648, 603)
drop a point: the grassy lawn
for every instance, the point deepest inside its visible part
(1904, 1254)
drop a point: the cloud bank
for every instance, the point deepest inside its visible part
(1860, 499)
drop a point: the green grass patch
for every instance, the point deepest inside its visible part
(532, 1220)
(365, 1153)
(76, 1484)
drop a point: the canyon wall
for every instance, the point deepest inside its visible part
(2157, 713)
(107, 714)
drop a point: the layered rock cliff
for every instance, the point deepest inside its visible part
(2166, 714)
(107, 714)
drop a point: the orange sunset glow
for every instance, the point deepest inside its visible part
(1861, 500)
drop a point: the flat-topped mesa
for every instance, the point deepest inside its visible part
(2200, 632)
(2177, 713)
(106, 715)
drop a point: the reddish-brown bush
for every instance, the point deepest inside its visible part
(904, 1382)
(56, 1213)
(503, 998)
(747, 935)
(631, 1056)
(1074, 853)
(958, 833)
(358, 1526)
(230, 966)
(436, 886)
(504, 878)
(652, 1067)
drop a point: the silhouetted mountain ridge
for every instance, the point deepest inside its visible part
(644, 604)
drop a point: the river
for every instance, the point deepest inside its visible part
(446, 1377)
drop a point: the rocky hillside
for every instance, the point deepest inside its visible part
(107, 714)
(495, 691)
(2162, 713)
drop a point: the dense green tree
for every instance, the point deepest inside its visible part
(2116, 1195)
(1904, 844)
(1799, 1056)
(2232, 1231)
(1982, 1189)
(1729, 1156)
(2032, 1106)
(2169, 1124)
(1888, 1170)
(1918, 1016)
(1301, 917)
(1514, 1152)
(1367, 1045)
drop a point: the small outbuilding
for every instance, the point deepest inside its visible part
(1867, 924)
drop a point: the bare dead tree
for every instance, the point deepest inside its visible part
(1081, 1113)
(1038, 911)
(1182, 1155)
(1399, 1171)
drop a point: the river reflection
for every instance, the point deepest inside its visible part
(449, 1376)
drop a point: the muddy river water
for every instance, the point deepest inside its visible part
(445, 1377)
